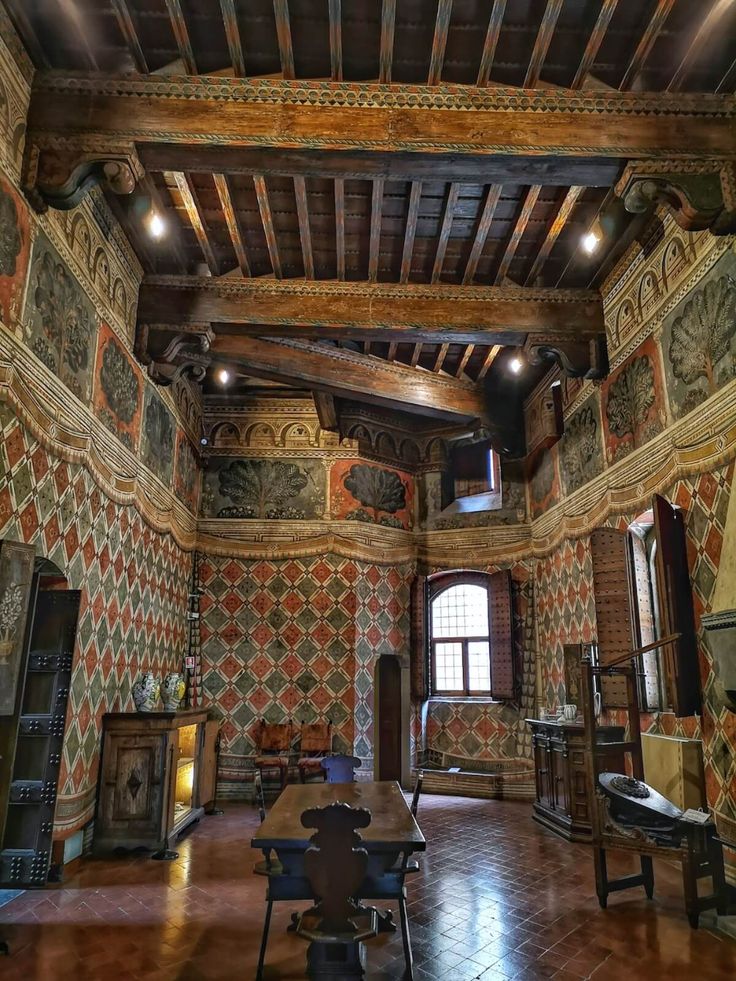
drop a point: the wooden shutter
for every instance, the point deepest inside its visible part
(501, 635)
(418, 639)
(676, 614)
(614, 608)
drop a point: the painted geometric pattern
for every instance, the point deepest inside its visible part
(295, 639)
(134, 584)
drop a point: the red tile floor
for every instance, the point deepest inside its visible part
(497, 898)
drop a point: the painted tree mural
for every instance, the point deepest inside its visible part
(262, 489)
(381, 491)
(580, 449)
(10, 239)
(630, 398)
(702, 335)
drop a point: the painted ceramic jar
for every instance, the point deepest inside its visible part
(172, 691)
(145, 692)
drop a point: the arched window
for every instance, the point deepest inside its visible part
(460, 635)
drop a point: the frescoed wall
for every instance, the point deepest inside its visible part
(370, 493)
(277, 489)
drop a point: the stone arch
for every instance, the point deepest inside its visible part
(225, 434)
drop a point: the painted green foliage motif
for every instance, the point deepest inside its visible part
(61, 321)
(630, 398)
(262, 489)
(381, 491)
(543, 478)
(580, 449)
(119, 382)
(157, 441)
(10, 240)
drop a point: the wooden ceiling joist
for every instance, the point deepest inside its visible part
(226, 203)
(559, 222)
(448, 213)
(439, 41)
(130, 34)
(372, 311)
(181, 35)
(283, 34)
(264, 207)
(440, 358)
(646, 43)
(463, 362)
(541, 45)
(375, 236)
(392, 349)
(516, 235)
(594, 42)
(340, 226)
(410, 230)
(699, 42)
(324, 403)
(386, 52)
(493, 193)
(232, 35)
(335, 15)
(305, 234)
(490, 357)
(491, 42)
(415, 355)
(189, 202)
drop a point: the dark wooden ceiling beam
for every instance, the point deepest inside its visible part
(463, 362)
(341, 373)
(340, 226)
(594, 42)
(646, 43)
(231, 219)
(416, 355)
(439, 41)
(283, 35)
(558, 223)
(439, 359)
(305, 234)
(335, 15)
(181, 36)
(375, 235)
(130, 35)
(518, 233)
(372, 311)
(264, 207)
(386, 53)
(448, 213)
(189, 201)
(491, 42)
(713, 18)
(493, 193)
(324, 403)
(488, 360)
(392, 349)
(232, 35)
(410, 230)
(541, 45)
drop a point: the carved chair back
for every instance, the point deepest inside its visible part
(340, 768)
(274, 737)
(316, 738)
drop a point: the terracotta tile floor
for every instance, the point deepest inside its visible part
(497, 898)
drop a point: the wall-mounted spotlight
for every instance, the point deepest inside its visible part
(222, 375)
(155, 223)
(516, 364)
(590, 242)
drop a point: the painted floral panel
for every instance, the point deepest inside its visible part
(633, 402)
(60, 321)
(186, 472)
(581, 446)
(371, 493)
(699, 339)
(16, 575)
(158, 436)
(118, 389)
(15, 247)
(276, 489)
(544, 481)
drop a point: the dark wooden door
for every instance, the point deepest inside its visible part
(389, 718)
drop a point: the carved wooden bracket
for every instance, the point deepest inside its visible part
(698, 196)
(59, 176)
(185, 354)
(579, 359)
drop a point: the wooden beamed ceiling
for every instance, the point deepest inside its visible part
(285, 155)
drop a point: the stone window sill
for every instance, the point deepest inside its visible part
(463, 699)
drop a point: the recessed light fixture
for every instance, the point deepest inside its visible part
(156, 224)
(516, 364)
(223, 376)
(590, 242)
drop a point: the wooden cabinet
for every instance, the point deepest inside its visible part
(156, 776)
(559, 766)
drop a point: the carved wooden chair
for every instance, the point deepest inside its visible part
(274, 746)
(315, 744)
(340, 768)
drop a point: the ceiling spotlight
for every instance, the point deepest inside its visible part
(590, 242)
(156, 225)
(516, 364)
(223, 376)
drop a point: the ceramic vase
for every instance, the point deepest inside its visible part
(145, 692)
(172, 691)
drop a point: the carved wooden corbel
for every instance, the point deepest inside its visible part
(579, 359)
(185, 354)
(58, 176)
(699, 196)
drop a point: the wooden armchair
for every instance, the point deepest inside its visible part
(315, 744)
(274, 746)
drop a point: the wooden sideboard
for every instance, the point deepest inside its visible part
(559, 767)
(157, 775)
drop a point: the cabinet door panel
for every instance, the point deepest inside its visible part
(133, 771)
(559, 779)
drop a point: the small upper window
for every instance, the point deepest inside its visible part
(460, 639)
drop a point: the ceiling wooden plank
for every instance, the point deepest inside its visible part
(264, 207)
(440, 358)
(392, 349)
(283, 34)
(324, 403)
(490, 357)
(575, 258)
(232, 34)
(696, 47)
(594, 42)
(305, 234)
(181, 35)
(447, 215)
(491, 42)
(415, 355)
(493, 193)
(386, 55)
(516, 236)
(646, 43)
(541, 45)
(375, 238)
(226, 203)
(372, 311)
(130, 34)
(367, 347)
(463, 362)
(18, 12)
(439, 41)
(335, 14)
(342, 372)
(558, 223)
(410, 231)
(186, 191)
(340, 226)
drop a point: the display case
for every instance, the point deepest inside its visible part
(156, 778)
